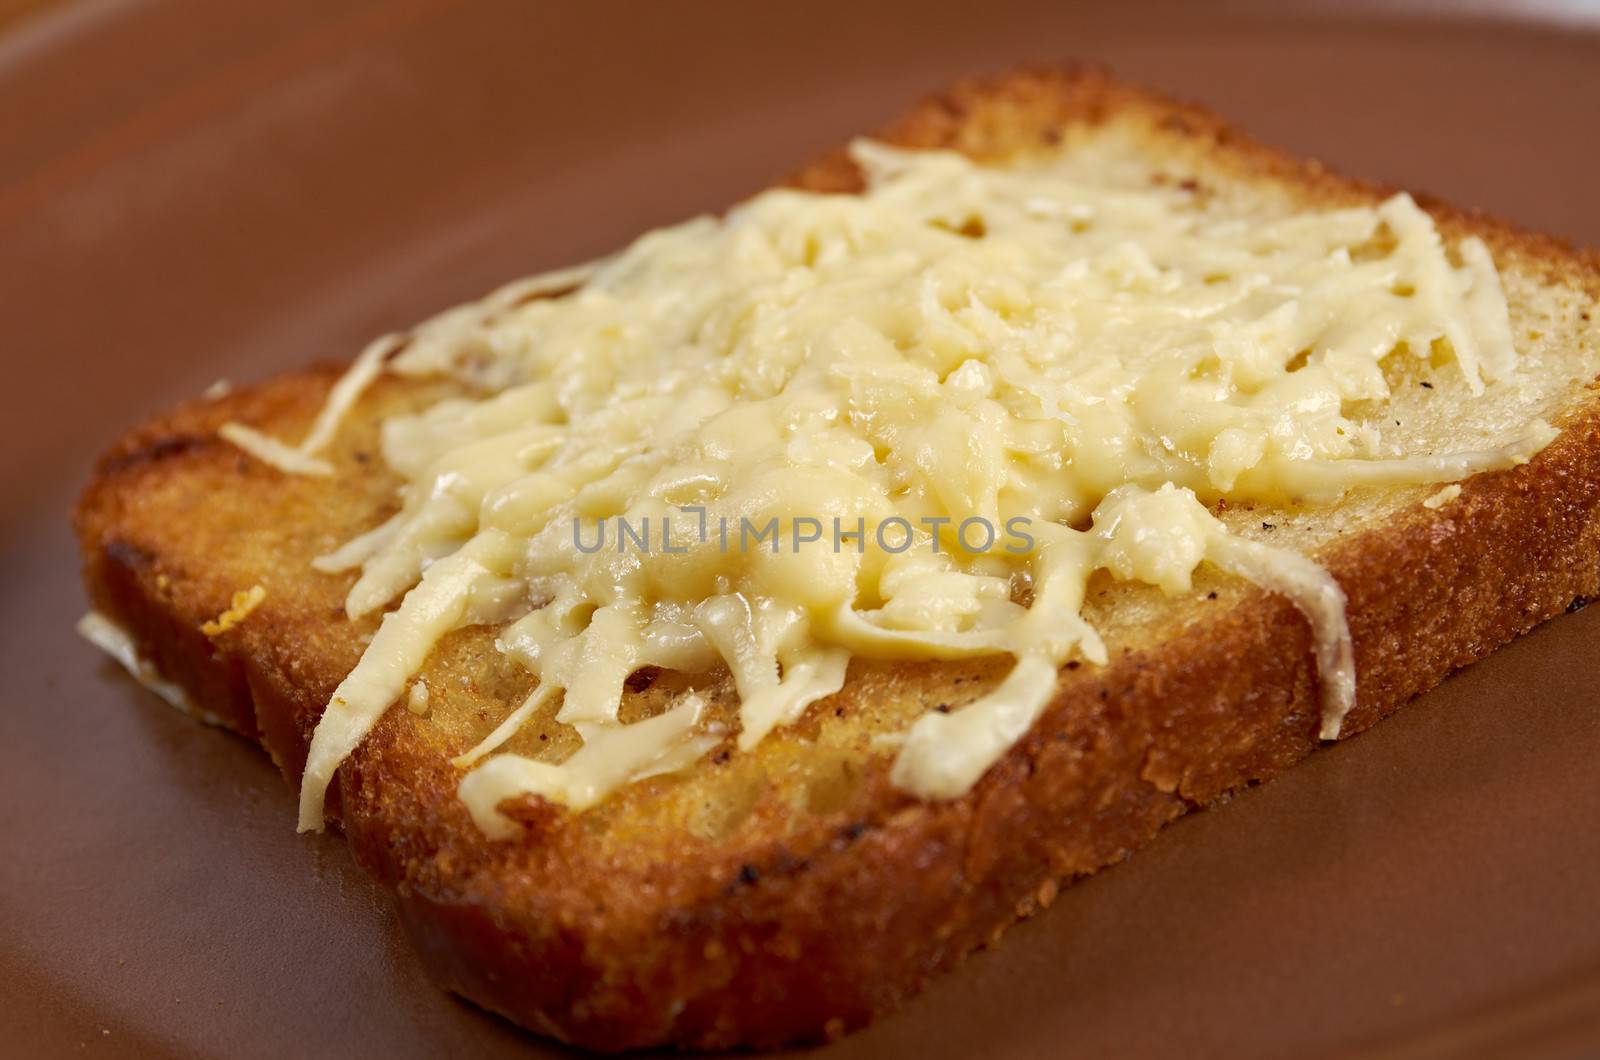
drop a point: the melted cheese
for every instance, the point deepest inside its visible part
(269, 450)
(611, 755)
(959, 353)
(118, 643)
(1444, 496)
(302, 459)
(239, 608)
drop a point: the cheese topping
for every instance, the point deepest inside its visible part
(239, 608)
(119, 644)
(1444, 496)
(907, 424)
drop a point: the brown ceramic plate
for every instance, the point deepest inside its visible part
(191, 190)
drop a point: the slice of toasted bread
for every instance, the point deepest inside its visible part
(790, 893)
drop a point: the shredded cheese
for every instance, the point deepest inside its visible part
(998, 381)
(118, 643)
(271, 451)
(244, 601)
(1443, 497)
(610, 756)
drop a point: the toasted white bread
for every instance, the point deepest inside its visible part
(791, 892)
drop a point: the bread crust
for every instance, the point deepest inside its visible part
(810, 925)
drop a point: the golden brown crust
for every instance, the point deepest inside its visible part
(805, 925)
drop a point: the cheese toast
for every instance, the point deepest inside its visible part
(791, 891)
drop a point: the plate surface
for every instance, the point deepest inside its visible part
(191, 190)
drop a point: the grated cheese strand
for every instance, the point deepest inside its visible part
(1059, 350)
